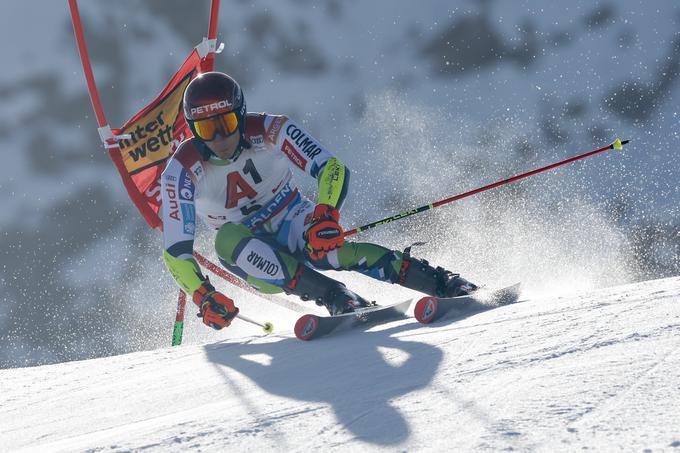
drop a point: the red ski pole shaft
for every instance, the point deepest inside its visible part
(618, 144)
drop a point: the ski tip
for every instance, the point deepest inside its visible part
(305, 327)
(425, 310)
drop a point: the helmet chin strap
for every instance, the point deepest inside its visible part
(243, 144)
(237, 153)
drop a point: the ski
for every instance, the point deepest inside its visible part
(309, 327)
(429, 309)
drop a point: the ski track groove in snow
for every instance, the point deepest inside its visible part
(616, 400)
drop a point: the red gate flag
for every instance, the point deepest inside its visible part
(154, 135)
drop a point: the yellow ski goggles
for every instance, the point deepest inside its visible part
(224, 124)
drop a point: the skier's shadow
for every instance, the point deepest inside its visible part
(346, 371)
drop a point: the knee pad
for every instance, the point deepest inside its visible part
(228, 238)
(253, 258)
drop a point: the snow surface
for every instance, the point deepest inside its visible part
(598, 370)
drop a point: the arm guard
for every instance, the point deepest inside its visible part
(179, 220)
(186, 272)
(333, 183)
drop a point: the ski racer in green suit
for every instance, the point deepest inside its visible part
(235, 174)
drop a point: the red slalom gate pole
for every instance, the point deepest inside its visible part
(178, 329)
(209, 62)
(87, 66)
(111, 141)
(618, 145)
(206, 65)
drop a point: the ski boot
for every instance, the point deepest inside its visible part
(438, 282)
(309, 284)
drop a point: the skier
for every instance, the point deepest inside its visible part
(235, 174)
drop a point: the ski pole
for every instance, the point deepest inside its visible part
(267, 327)
(178, 330)
(618, 145)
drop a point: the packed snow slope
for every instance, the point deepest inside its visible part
(597, 371)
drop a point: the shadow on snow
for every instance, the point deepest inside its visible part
(347, 372)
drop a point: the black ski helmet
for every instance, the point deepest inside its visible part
(214, 93)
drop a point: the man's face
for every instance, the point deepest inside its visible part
(224, 147)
